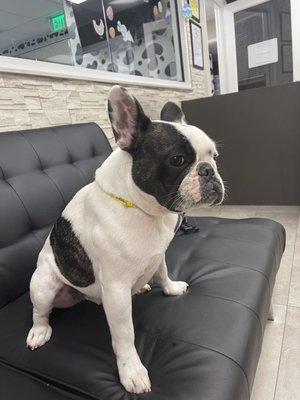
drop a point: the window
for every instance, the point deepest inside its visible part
(134, 37)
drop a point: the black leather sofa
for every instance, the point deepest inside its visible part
(204, 345)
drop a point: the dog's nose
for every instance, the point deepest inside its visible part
(206, 170)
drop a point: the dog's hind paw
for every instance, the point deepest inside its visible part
(38, 336)
(144, 289)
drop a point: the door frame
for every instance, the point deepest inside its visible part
(227, 47)
(218, 5)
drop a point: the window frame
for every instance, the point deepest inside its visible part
(47, 69)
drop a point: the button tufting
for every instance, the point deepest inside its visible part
(39, 174)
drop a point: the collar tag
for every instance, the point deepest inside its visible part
(124, 202)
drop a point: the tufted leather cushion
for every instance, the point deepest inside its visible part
(40, 171)
(204, 345)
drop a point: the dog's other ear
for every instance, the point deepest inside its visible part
(127, 118)
(171, 112)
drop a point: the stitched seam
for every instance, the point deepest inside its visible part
(237, 266)
(42, 169)
(238, 240)
(101, 132)
(20, 238)
(272, 231)
(37, 376)
(88, 139)
(26, 290)
(252, 219)
(237, 302)
(30, 221)
(70, 156)
(1, 169)
(159, 335)
(245, 219)
(240, 266)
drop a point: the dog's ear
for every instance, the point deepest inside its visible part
(171, 112)
(127, 118)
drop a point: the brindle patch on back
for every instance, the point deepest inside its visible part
(70, 257)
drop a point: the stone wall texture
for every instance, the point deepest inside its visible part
(28, 101)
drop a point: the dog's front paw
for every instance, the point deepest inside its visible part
(38, 336)
(175, 288)
(134, 378)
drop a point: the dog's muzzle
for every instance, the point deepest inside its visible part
(211, 186)
(203, 185)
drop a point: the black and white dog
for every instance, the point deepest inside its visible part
(112, 237)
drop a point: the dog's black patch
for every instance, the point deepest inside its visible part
(171, 112)
(151, 168)
(70, 257)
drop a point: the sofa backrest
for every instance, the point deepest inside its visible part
(40, 171)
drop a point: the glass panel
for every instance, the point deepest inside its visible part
(35, 30)
(143, 38)
(264, 45)
(138, 37)
(90, 41)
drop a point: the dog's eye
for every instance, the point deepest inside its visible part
(177, 161)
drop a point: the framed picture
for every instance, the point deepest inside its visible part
(287, 58)
(285, 26)
(197, 45)
(195, 6)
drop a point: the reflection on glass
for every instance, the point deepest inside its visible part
(137, 37)
(142, 40)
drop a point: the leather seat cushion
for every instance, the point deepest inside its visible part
(203, 345)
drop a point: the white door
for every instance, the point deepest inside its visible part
(259, 42)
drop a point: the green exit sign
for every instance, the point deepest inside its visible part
(58, 22)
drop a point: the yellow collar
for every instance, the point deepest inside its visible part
(125, 203)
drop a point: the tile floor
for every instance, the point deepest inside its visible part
(278, 373)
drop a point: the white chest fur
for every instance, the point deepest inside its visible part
(125, 246)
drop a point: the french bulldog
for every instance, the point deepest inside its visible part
(111, 239)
